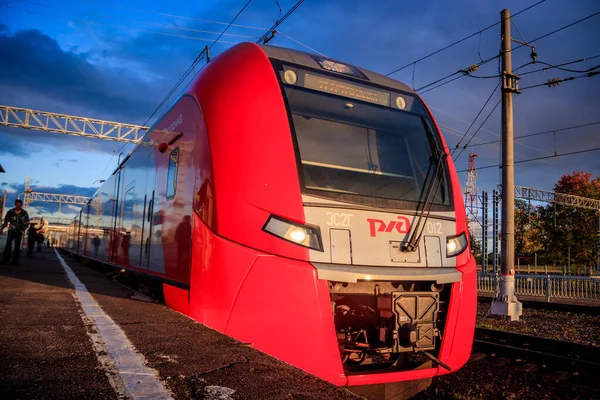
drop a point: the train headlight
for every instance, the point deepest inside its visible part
(303, 235)
(298, 235)
(456, 244)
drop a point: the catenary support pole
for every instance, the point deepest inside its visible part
(505, 302)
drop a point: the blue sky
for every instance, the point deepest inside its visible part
(95, 59)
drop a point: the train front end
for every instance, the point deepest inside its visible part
(356, 236)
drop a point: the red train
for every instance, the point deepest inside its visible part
(303, 205)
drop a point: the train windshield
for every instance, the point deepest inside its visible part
(364, 153)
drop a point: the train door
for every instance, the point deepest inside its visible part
(105, 209)
(116, 220)
(86, 229)
(78, 235)
(173, 227)
(126, 234)
(173, 179)
(148, 211)
(151, 256)
(135, 206)
(149, 201)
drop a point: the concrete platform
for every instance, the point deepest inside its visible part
(50, 348)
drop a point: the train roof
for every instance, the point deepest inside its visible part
(308, 60)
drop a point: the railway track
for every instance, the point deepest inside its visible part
(560, 355)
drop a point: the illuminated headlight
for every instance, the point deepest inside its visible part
(456, 245)
(303, 235)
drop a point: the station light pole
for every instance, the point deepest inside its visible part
(505, 302)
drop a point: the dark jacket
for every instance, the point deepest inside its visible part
(19, 222)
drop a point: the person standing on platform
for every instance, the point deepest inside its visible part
(31, 238)
(40, 236)
(17, 221)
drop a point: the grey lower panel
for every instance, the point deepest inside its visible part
(353, 273)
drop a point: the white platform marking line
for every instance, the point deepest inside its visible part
(134, 377)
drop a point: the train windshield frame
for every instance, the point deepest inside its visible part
(363, 144)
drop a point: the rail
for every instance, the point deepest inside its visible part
(547, 286)
(563, 355)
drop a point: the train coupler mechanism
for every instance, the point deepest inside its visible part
(415, 315)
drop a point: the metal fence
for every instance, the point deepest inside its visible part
(547, 286)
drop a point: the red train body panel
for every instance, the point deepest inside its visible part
(238, 201)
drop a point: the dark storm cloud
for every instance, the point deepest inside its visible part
(33, 63)
(24, 142)
(14, 145)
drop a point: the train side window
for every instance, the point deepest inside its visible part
(172, 173)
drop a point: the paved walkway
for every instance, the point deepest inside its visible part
(56, 341)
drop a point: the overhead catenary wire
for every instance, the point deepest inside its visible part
(465, 71)
(475, 133)
(495, 146)
(456, 132)
(194, 63)
(475, 119)
(300, 43)
(461, 120)
(538, 158)
(258, 41)
(441, 84)
(539, 133)
(559, 67)
(202, 54)
(112, 17)
(461, 40)
(558, 30)
(513, 49)
(558, 81)
(115, 26)
(279, 21)
(103, 3)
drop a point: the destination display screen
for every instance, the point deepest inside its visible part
(346, 89)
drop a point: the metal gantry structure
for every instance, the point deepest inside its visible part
(30, 196)
(557, 198)
(565, 200)
(528, 193)
(16, 117)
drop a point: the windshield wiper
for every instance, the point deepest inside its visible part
(437, 157)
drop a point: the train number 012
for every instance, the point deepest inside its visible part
(434, 227)
(338, 219)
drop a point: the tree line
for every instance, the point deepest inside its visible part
(556, 234)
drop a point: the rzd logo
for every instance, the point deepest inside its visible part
(377, 225)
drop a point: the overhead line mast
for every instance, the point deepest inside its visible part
(506, 303)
